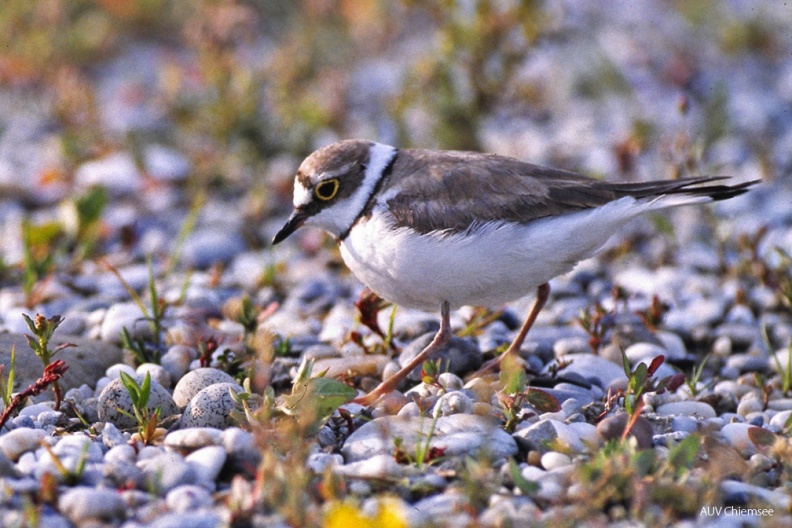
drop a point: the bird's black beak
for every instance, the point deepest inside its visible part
(295, 220)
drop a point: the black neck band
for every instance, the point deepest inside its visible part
(372, 199)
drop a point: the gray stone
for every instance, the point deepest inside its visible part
(7, 468)
(116, 172)
(187, 498)
(83, 505)
(743, 363)
(554, 459)
(736, 434)
(736, 492)
(177, 360)
(124, 315)
(451, 507)
(165, 164)
(211, 245)
(454, 402)
(571, 345)
(459, 356)
(157, 373)
(14, 443)
(202, 519)
(644, 351)
(87, 361)
(378, 466)
(458, 435)
(613, 426)
(318, 462)
(540, 435)
(122, 474)
(192, 438)
(592, 367)
(687, 408)
(111, 436)
(207, 463)
(166, 471)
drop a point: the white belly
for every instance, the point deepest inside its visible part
(495, 264)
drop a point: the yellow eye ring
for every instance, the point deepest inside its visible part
(326, 190)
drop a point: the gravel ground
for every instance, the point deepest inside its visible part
(708, 288)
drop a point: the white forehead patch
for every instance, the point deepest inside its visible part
(302, 195)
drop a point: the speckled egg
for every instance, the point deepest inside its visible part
(115, 397)
(196, 380)
(210, 407)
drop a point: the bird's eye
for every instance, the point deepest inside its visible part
(326, 190)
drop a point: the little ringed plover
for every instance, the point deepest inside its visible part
(431, 229)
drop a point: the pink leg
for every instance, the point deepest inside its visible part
(439, 341)
(542, 294)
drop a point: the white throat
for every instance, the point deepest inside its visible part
(340, 217)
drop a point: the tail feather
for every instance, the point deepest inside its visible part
(691, 187)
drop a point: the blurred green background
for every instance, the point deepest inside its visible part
(231, 83)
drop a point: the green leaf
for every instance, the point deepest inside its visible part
(644, 461)
(30, 324)
(320, 396)
(33, 344)
(512, 375)
(683, 455)
(11, 369)
(542, 401)
(527, 487)
(761, 437)
(41, 234)
(303, 374)
(638, 378)
(131, 386)
(145, 390)
(626, 365)
(90, 206)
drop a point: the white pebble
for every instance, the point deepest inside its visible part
(553, 459)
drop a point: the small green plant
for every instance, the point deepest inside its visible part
(592, 322)
(87, 210)
(38, 242)
(283, 347)
(248, 402)
(527, 487)
(52, 373)
(43, 328)
(515, 395)
(424, 453)
(7, 381)
(621, 475)
(369, 305)
(187, 227)
(640, 381)
(141, 352)
(71, 476)
(784, 371)
(695, 376)
(431, 370)
(248, 317)
(206, 348)
(154, 314)
(653, 315)
(146, 419)
(481, 319)
(314, 398)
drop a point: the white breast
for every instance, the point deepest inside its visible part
(491, 265)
